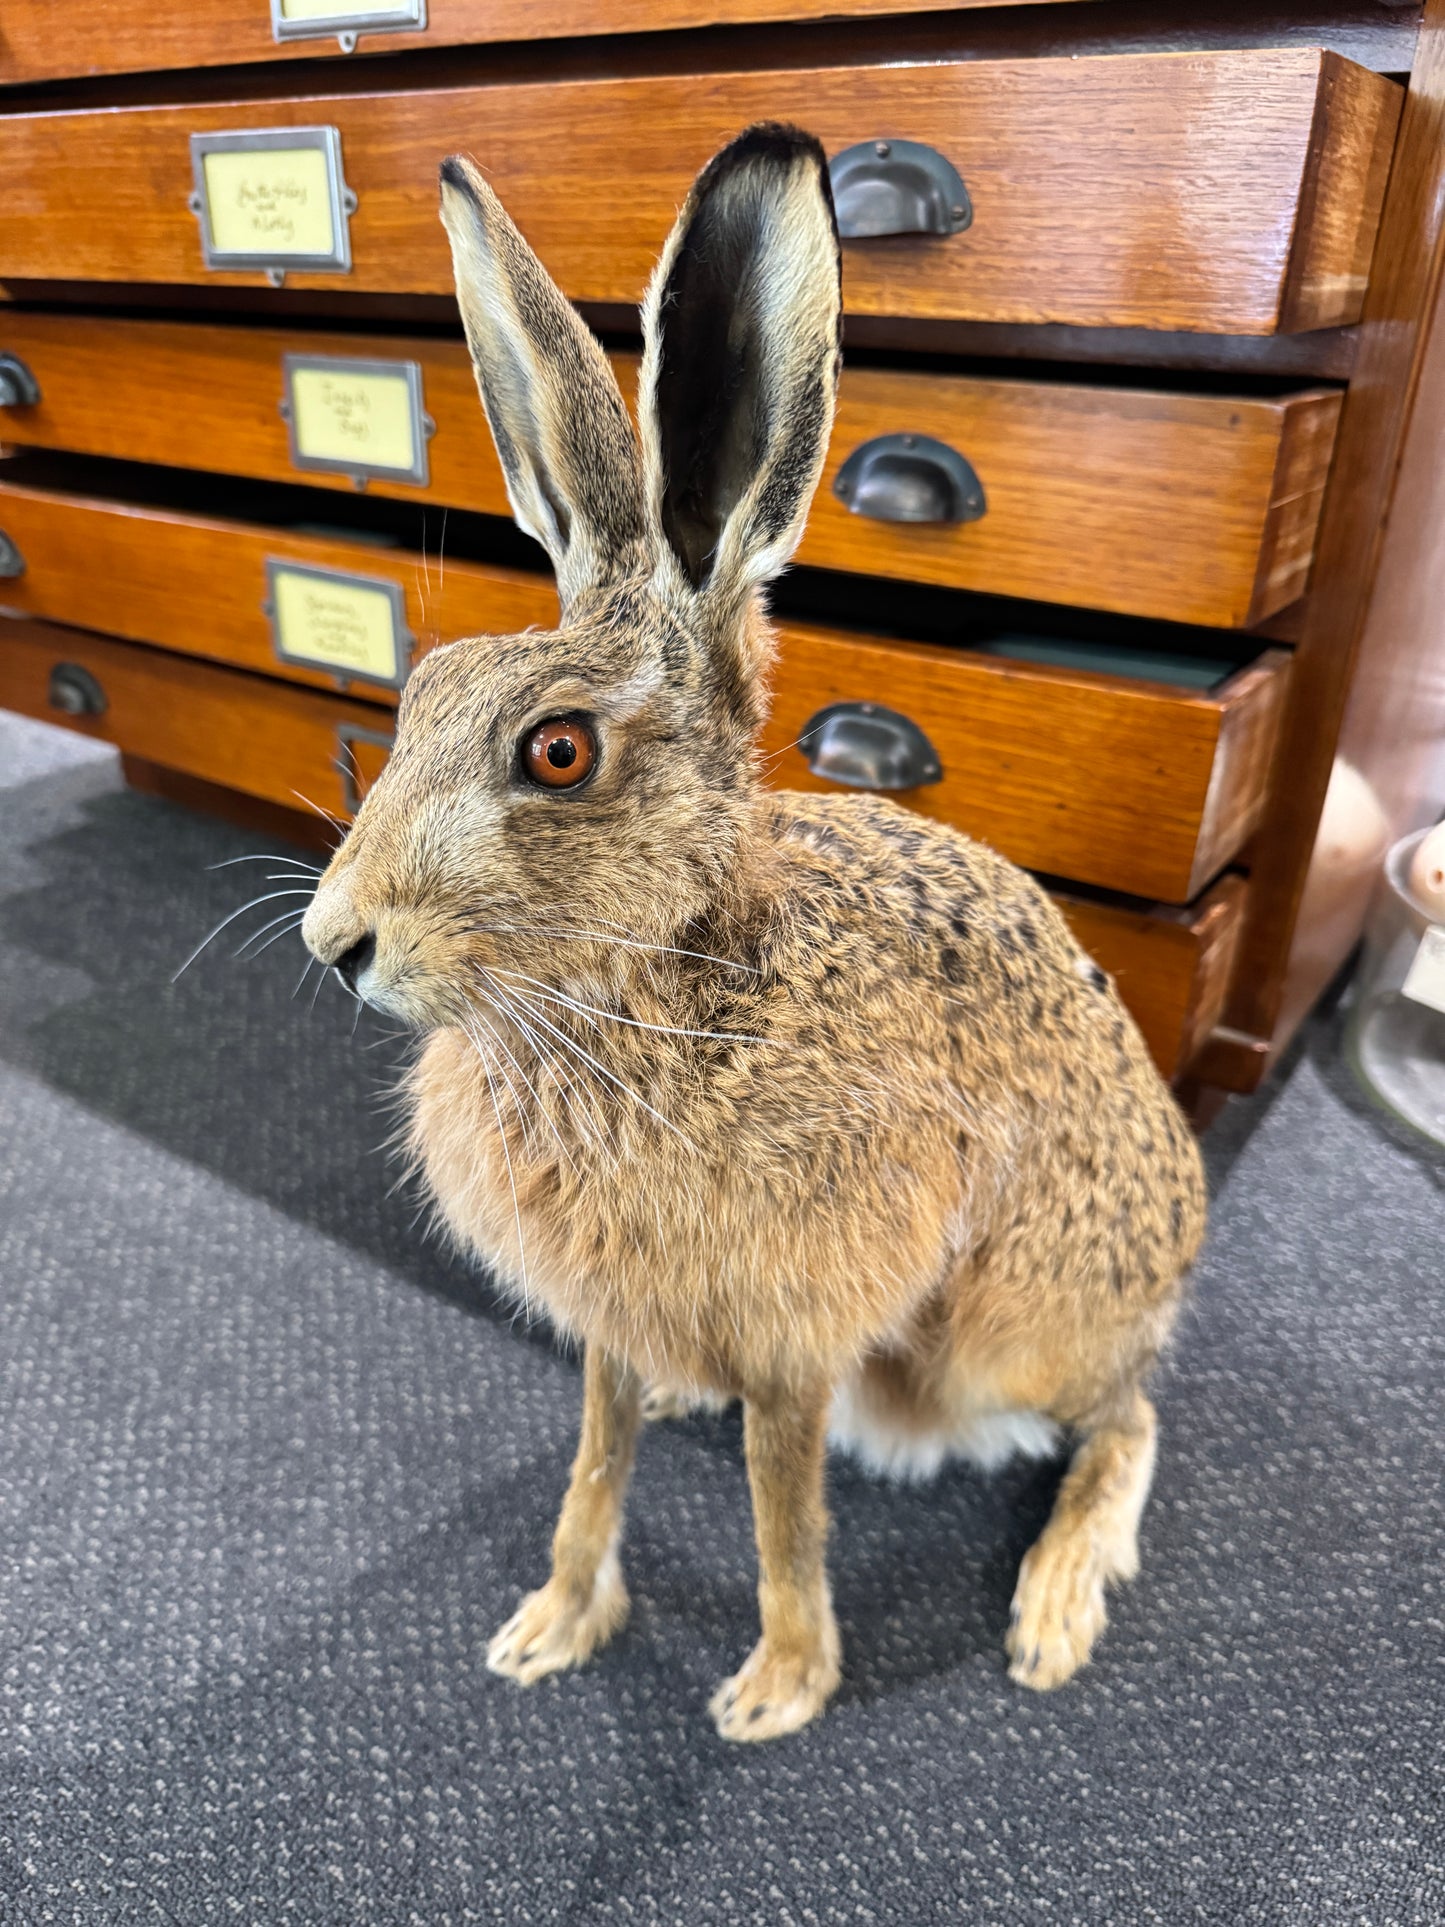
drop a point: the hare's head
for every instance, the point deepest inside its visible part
(599, 777)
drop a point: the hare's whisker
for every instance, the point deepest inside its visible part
(294, 924)
(633, 1023)
(516, 1207)
(268, 856)
(601, 936)
(570, 1043)
(326, 815)
(549, 1061)
(542, 1110)
(254, 904)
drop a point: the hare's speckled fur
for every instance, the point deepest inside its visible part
(808, 1101)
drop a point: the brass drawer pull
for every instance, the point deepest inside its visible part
(18, 387)
(868, 747)
(910, 478)
(897, 187)
(75, 692)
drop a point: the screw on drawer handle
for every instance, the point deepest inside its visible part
(12, 562)
(75, 692)
(869, 748)
(910, 478)
(897, 187)
(18, 387)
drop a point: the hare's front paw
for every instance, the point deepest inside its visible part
(1057, 1613)
(775, 1693)
(552, 1629)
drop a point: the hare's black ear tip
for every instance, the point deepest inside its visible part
(453, 173)
(778, 141)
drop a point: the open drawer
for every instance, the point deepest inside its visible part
(1146, 787)
(1186, 508)
(280, 743)
(321, 609)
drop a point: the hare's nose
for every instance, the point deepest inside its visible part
(350, 964)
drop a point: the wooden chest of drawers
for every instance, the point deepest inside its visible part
(1109, 487)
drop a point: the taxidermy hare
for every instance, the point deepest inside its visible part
(807, 1101)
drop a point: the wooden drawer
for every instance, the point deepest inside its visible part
(199, 585)
(1188, 508)
(280, 743)
(1134, 786)
(1173, 967)
(100, 39)
(1234, 192)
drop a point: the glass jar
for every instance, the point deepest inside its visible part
(1396, 1037)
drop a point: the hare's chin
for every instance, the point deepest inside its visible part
(407, 1002)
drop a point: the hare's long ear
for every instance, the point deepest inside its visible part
(740, 366)
(561, 427)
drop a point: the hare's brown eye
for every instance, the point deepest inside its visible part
(559, 754)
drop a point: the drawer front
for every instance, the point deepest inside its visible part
(1126, 785)
(266, 739)
(278, 743)
(201, 586)
(1173, 967)
(1072, 167)
(213, 33)
(1196, 509)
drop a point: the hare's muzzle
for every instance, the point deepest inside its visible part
(351, 963)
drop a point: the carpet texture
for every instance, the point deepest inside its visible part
(273, 1468)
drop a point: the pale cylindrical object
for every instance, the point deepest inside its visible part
(1396, 1038)
(1427, 872)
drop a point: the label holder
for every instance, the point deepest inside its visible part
(398, 16)
(403, 641)
(418, 471)
(275, 265)
(345, 763)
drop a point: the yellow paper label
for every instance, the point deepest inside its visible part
(342, 625)
(324, 9)
(269, 200)
(353, 418)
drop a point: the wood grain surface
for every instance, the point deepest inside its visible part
(1367, 686)
(1196, 509)
(282, 744)
(1172, 967)
(198, 584)
(99, 39)
(1127, 785)
(1157, 191)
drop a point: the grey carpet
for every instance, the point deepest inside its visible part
(272, 1468)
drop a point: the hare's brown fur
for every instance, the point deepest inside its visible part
(808, 1101)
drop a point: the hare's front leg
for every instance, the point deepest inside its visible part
(794, 1668)
(1091, 1540)
(585, 1601)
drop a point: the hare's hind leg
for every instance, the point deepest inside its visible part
(585, 1601)
(1092, 1538)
